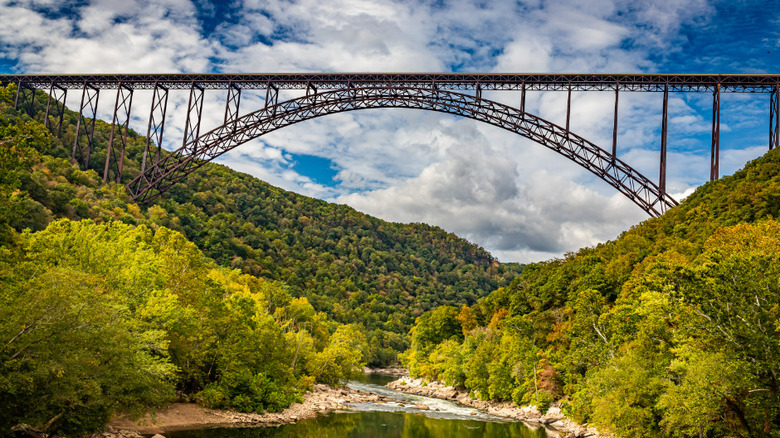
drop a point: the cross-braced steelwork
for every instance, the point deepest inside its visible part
(85, 126)
(620, 175)
(327, 93)
(194, 113)
(154, 134)
(58, 95)
(25, 98)
(232, 103)
(120, 121)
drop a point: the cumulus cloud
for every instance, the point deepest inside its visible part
(478, 191)
(104, 36)
(518, 199)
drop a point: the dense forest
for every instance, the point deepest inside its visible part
(233, 293)
(671, 330)
(227, 291)
(355, 268)
(103, 309)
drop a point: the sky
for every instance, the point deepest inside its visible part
(517, 199)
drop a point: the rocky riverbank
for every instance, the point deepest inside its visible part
(179, 416)
(553, 420)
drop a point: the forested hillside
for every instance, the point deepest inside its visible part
(672, 330)
(115, 311)
(355, 268)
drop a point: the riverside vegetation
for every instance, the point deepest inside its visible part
(236, 294)
(671, 330)
(228, 291)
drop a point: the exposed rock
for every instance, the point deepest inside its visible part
(553, 420)
(321, 398)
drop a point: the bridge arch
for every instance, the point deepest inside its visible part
(161, 175)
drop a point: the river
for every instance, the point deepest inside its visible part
(398, 419)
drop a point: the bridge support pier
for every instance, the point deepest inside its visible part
(124, 102)
(86, 126)
(715, 153)
(615, 123)
(272, 96)
(194, 115)
(522, 100)
(232, 103)
(25, 98)
(156, 123)
(568, 108)
(59, 95)
(664, 128)
(774, 117)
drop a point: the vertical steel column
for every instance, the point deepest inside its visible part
(774, 117)
(124, 101)
(58, 94)
(19, 85)
(271, 96)
(156, 123)
(715, 153)
(568, 110)
(59, 104)
(86, 126)
(664, 126)
(194, 114)
(522, 100)
(232, 103)
(31, 103)
(48, 106)
(615, 123)
(23, 92)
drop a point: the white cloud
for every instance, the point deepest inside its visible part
(106, 36)
(517, 199)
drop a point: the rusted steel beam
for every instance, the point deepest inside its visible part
(232, 103)
(25, 98)
(123, 105)
(59, 95)
(175, 166)
(19, 84)
(271, 96)
(442, 81)
(568, 108)
(715, 152)
(615, 123)
(194, 115)
(664, 128)
(85, 126)
(154, 133)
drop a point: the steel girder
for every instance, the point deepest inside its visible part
(172, 168)
(442, 81)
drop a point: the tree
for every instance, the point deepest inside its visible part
(343, 358)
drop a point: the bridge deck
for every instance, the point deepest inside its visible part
(447, 81)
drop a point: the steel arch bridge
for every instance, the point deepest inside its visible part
(330, 93)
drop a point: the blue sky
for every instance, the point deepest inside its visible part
(517, 199)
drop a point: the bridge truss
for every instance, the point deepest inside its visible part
(328, 93)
